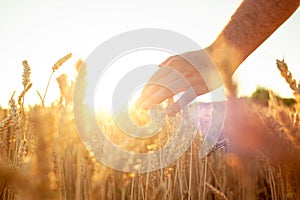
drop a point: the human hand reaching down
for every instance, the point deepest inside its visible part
(199, 72)
(193, 73)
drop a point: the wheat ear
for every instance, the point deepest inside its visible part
(55, 67)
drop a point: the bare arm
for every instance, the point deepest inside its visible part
(252, 23)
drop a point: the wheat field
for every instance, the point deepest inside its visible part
(256, 157)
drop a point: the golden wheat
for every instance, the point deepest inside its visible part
(43, 158)
(26, 73)
(61, 61)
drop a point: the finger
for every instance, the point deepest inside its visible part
(146, 93)
(167, 61)
(153, 87)
(184, 100)
(181, 66)
(157, 98)
(176, 63)
(164, 93)
(159, 74)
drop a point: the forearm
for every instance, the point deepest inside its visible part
(252, 23)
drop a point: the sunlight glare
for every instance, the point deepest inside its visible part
(118, 69)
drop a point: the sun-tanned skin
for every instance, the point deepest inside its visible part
(252, 23)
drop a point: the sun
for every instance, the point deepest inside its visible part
(118, 69)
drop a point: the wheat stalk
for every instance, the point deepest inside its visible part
(161, 192)
(26, 73)
(5, 122)
(287, 75)
(61, 61)
(218, 194)
(55, 67)
(22, 95)
(14, 113)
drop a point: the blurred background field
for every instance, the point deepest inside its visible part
(257, 156)
(41, 155)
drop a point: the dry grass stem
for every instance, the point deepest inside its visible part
(42, 156)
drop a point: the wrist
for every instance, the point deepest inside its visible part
(226, 57)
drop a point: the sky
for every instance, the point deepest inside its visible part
(41, 32)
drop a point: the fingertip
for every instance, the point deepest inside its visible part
(164, 64)
(145, 94)
(173, 109)
(170, 112)
(145, 105)
(140, 100)
(166, 61)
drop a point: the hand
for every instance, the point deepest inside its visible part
(193, 73)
